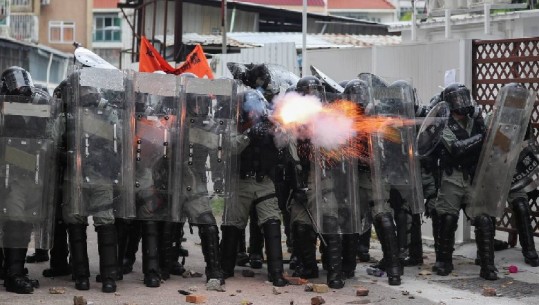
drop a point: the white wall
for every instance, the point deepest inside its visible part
(341, 64)
(283, 54)
(424, 64)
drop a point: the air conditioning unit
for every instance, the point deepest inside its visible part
(45, 2)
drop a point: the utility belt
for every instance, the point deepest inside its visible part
(468, 171)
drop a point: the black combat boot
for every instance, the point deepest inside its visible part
(39, 256)
(333, 254)
(242, 258)
(484, 238)
(209, 237)
(166, 248)
(16, 279)
(229, 249)
(176, 268)
(274, 252)
(150, 253)
(363, 247)
(521, 212)
(305, 249)
(350, 244)
(17, 234)
(436, 236)
(446, 243)
(385, 229)
(79, 256)
(403, 221)
(130, 244)
(287, 231)
(107, 245)
(123, 228)
(415, 249)
(59, 264)
(256, 241)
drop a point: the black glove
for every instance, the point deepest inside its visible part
(463, 147)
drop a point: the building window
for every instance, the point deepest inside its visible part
(61, 31)
(107, 28)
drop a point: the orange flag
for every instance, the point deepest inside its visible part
(196, 63)
(150, 60)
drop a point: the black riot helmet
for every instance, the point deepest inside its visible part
(291, 89)
(310, 85)
(343, 83)
(254, 107)
(89, 96)
(357, 91)
(17, 81)
(458, 97)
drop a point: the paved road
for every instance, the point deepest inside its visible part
(463, 287)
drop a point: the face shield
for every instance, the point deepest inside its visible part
(459, 101)
(17, 81)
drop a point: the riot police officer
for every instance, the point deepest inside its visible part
(29, 136)
(98, 173)
(379, 212)
(257, 162)
(462, 140)
(303, 205)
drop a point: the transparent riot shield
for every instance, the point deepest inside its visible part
(208, 119)
(100, 144)
(394, 165)
(430, 131)
(500, 151)
(337, 199)
(28, 137)
(157, 109)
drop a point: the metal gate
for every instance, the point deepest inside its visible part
(494, 64)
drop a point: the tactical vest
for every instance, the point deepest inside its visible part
(259, 159)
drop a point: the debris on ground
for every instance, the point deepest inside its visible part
(489, 292)
(247, 273)
(79, 300)
(405, 292)
(184, 292)
(375, 271)
(276, 291)
(214, 285)
(425, 272)
(57, 290)
(317, 300)
(193, 288)
(195, 298)
(246, 303)
(292, 280)
(362, 291)
(320, 288)
(191, 273)
(309, 287)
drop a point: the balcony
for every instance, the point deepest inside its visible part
(22, 6)
(24, 27)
